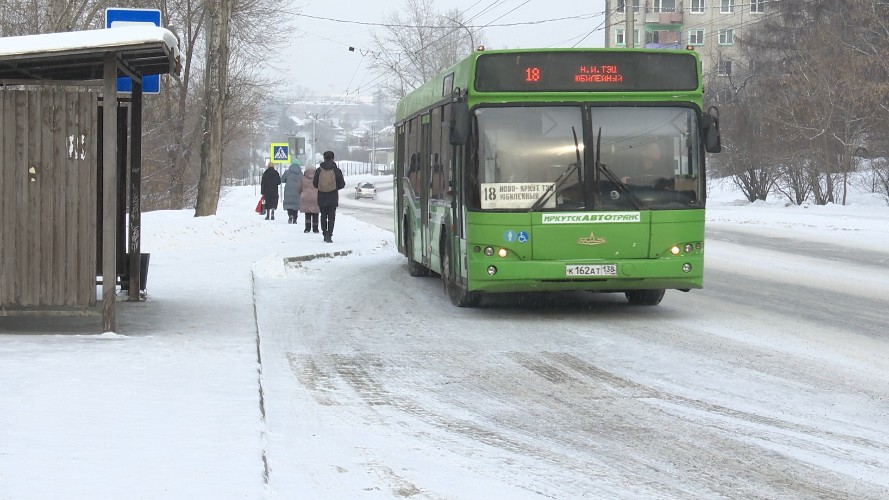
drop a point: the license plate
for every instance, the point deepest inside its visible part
(597, 270)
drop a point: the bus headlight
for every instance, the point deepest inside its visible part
(688, 248)
(492, 270)
(489, 251)
(674, 250)
(502, 253)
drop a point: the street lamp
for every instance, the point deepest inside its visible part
(471, 38)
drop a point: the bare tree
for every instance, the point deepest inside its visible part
(418, 43)
(173, 122)
(248, 91)
(176, 127)
(880, 178)
(235, 38)
(820, 84)
(750, 155)
(795, 180)
(215, 95)
(29, 17)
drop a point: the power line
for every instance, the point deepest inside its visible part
(501, 25)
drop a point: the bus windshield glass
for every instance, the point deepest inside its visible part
(641, 157)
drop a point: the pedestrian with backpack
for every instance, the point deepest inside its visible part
(328, 180)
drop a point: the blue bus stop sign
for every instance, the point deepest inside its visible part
(120, 17)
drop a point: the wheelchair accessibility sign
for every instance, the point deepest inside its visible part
(522, 236)
(280, 152)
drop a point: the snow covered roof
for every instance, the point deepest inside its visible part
(79, 55)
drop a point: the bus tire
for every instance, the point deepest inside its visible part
(414, 268)
(645, 297)
(459, 296)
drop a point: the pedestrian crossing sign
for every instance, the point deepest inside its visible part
(280, 152)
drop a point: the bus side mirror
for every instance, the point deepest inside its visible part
(459, 133)
(710, 125)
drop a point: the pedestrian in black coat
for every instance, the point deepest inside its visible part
(328, 180)
(269, 189)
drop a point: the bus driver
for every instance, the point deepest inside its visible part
(652, 169)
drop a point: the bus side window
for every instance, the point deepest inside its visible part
(437, 177)
(473, 197)
(413, 174)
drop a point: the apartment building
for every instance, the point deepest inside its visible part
(710, 26)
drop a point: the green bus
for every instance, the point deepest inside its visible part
(556, 169)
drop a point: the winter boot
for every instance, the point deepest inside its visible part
(315, 228)
(267, 213)
(308, 227)
(273, 215)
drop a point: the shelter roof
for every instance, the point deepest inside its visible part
(79, 55)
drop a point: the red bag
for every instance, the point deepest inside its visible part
(260, 206)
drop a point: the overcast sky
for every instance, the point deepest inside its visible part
(319, 48)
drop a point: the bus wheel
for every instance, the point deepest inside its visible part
(459, 296)
(414, 268)
(645, 297)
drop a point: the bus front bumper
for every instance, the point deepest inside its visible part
(488, 274)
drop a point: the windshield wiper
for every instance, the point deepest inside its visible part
(579, 163)
(550, 192)
(613, 178)
(544, 198)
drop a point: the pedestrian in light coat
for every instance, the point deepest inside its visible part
(308, 199)
(292, 179)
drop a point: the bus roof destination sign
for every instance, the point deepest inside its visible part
(566, 71)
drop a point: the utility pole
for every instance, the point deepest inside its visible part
(630, 7)
(373, 148)
(314, 117)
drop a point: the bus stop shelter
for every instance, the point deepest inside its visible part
(65, 172)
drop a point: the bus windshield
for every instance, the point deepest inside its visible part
(642, 157)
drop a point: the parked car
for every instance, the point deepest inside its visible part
(366, 190)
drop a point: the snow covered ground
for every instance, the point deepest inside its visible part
(173, 405)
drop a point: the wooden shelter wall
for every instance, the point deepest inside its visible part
(48, 183)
